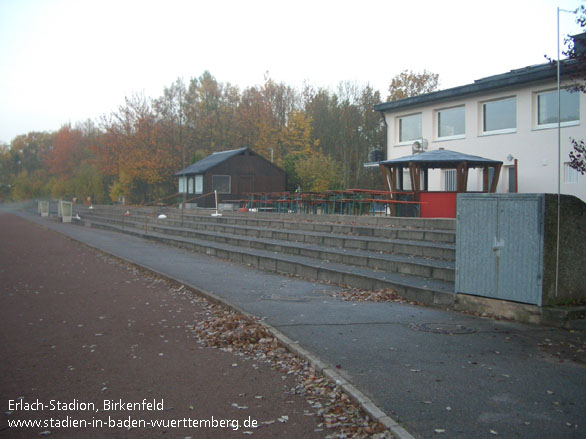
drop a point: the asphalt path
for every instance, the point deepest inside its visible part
(437, 372)
(80, 334)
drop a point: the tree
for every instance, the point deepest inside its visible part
(295, 138)
(322, 108)
(138, 152)
(578, 156)
(296, 146)
(170, 108)
(408, 84)
(29, 151)
(66, 154)
(318, 173)
(347, 128)
(576, 54)
(211, 115)
(29, 185)
(264, 113)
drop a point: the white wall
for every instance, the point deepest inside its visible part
(536, 149)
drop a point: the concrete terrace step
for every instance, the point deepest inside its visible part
(257, 218)
(299, 230)
(417, 266)
(430, 291)
(251, 236)
(416, 234)
(390, 231)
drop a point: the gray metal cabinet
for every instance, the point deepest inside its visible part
(499, 246)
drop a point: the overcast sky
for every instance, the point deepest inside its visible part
(70, 60)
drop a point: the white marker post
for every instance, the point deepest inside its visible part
(216, 196)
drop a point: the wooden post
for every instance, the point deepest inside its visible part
(462, 180)
(495, 178)
(459, 178)
(415, 174)
(390, 178)
(516, 175)
(485, 179)
(386, 176)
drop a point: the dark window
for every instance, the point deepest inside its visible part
(221, 183)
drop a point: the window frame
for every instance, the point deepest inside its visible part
(571, 175)
(399, 126)
(510, 173)
(483, 104)
(544, 126)
(198, 184)
(437, 119)
(450, 180)
(182, 184)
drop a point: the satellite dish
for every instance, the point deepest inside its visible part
(419, 146)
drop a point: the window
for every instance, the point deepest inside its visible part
(190, 184)
(182, 185)
(570, 174)
(512, 179)
(405, 180)
(451, 122)
(410, 128)
(547, 108)
(499, 116)
(221, 183)
(450, 180)
(199, 184)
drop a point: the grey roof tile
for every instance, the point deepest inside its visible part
(210, 161)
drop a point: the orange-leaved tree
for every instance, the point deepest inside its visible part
(66, 154)
(139, 151)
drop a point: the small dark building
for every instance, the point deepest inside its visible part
(233, 174)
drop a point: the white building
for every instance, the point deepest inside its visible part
(510, 117)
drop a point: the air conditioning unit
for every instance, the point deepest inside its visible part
(376, 155)
(419, 146)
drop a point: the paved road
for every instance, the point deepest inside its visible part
(436, 372)
(74, 327)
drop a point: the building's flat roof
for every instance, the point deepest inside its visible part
(517, 77)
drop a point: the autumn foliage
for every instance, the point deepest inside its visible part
(320, 137)
(66, 153)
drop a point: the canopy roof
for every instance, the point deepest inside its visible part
(441, 158)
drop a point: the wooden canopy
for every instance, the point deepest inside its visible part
(442, 159)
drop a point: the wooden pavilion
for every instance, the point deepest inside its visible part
(419, 164)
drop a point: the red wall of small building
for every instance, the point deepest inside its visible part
(438, 204)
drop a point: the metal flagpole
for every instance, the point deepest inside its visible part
(557, 259)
